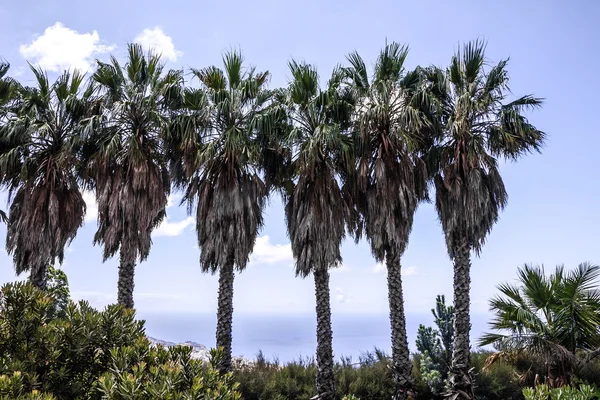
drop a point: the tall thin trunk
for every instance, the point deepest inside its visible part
(39, 277)
(225, 314)
(460, 377)
(400, 353)
(325, 379)
(125, 284)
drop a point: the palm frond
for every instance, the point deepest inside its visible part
(471, 126)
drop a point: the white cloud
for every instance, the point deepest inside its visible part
(168, 228)
(266, 252)
(156, 40)
(378, 268)
(173, 200)
(340, 268)
(409, 271)
(60, 48)
(91, 213)
(406, 271)
(341, 297)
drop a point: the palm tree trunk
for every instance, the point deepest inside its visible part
(325, 379)
(460, 377)
(225, 314)
(400, 353)
(125, 284)
(39, 277)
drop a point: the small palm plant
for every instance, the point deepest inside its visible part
(39, 167)
(553, 319)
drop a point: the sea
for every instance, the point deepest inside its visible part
(291, 337)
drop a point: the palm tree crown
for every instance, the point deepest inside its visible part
(392, 179)
(128, 168)
(318, 208)
(222, 160)
(39, 166)
(476, 126)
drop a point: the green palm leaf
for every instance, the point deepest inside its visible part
(553, 318)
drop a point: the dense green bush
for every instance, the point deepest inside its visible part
(62, 356)
(88, 354)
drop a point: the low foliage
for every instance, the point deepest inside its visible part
(543, 392)
(368, 378)
(141, 372)
(90, 354)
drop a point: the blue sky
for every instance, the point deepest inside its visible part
(551, 217)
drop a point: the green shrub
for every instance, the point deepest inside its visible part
(368, 379)
(62, 356)
(141, 372)
(543, 392)
(88, 354)
(498, 382)
(270, 380)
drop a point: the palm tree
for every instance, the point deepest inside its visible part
(217, 159)
(475, 126)
(317, 208)
(392, 179)
(39, 167)
(127, 165)
(553, 319)
(8, 90)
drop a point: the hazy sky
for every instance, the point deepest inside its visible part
(551, 217)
